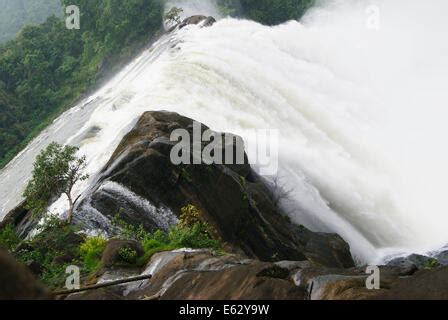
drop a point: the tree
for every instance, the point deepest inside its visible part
(56, 171)
(173, 16)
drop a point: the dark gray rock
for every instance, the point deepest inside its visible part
(412, 261)
(198, 19)
(143, 186)
(442, 258)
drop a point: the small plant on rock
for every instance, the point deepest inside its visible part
(128, 255)
(173, 15)
(91, 251)
(9, 238)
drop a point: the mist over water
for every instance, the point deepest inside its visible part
(361, 112)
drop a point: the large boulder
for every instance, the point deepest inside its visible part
(142, 185)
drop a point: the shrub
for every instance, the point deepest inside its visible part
(432, 263)
(55, 239)
(196, 236)
(128, 231)
(127, 255)
(189, 217)
(190, 232)
(91, 251)
(8, 237)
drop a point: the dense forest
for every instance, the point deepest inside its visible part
(268, 12)
(47, 67)
(15, 14)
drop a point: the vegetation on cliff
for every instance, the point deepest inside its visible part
(269, 12)
(59, 244)
(47, 67)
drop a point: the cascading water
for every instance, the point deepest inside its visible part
(359, 106)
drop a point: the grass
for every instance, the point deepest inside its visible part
(9, 238)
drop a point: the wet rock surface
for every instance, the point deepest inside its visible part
(267, 257)
(233, 199)
(201, 275)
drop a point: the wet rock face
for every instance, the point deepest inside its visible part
(151, 190)
(187, 274)
(23, 220)
(199, 275)
(203, 21)
(17, 282)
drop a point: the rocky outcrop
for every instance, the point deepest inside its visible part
(201, 275)
(143, 186)
(203, 21)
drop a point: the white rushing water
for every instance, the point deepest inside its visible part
(357, 89)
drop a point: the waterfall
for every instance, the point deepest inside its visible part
(356, 89)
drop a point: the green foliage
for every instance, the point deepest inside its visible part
(173, 15)
(47, 67)
(196, 236)
(190, 216)
(56, 170)
(8, 237)
(128, 255)
(91, 251)
(190, 232)
(269, 12)
(432, 263)
(54, 240)
(128, 231)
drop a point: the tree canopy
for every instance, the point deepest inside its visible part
(269, 12)
(47, 67)
(56, 171)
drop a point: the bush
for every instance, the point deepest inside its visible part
(56, 239)
(128, 255)
(128, 231)
(196, 236)
(91, 251)
(9, 238)
(432, 263)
